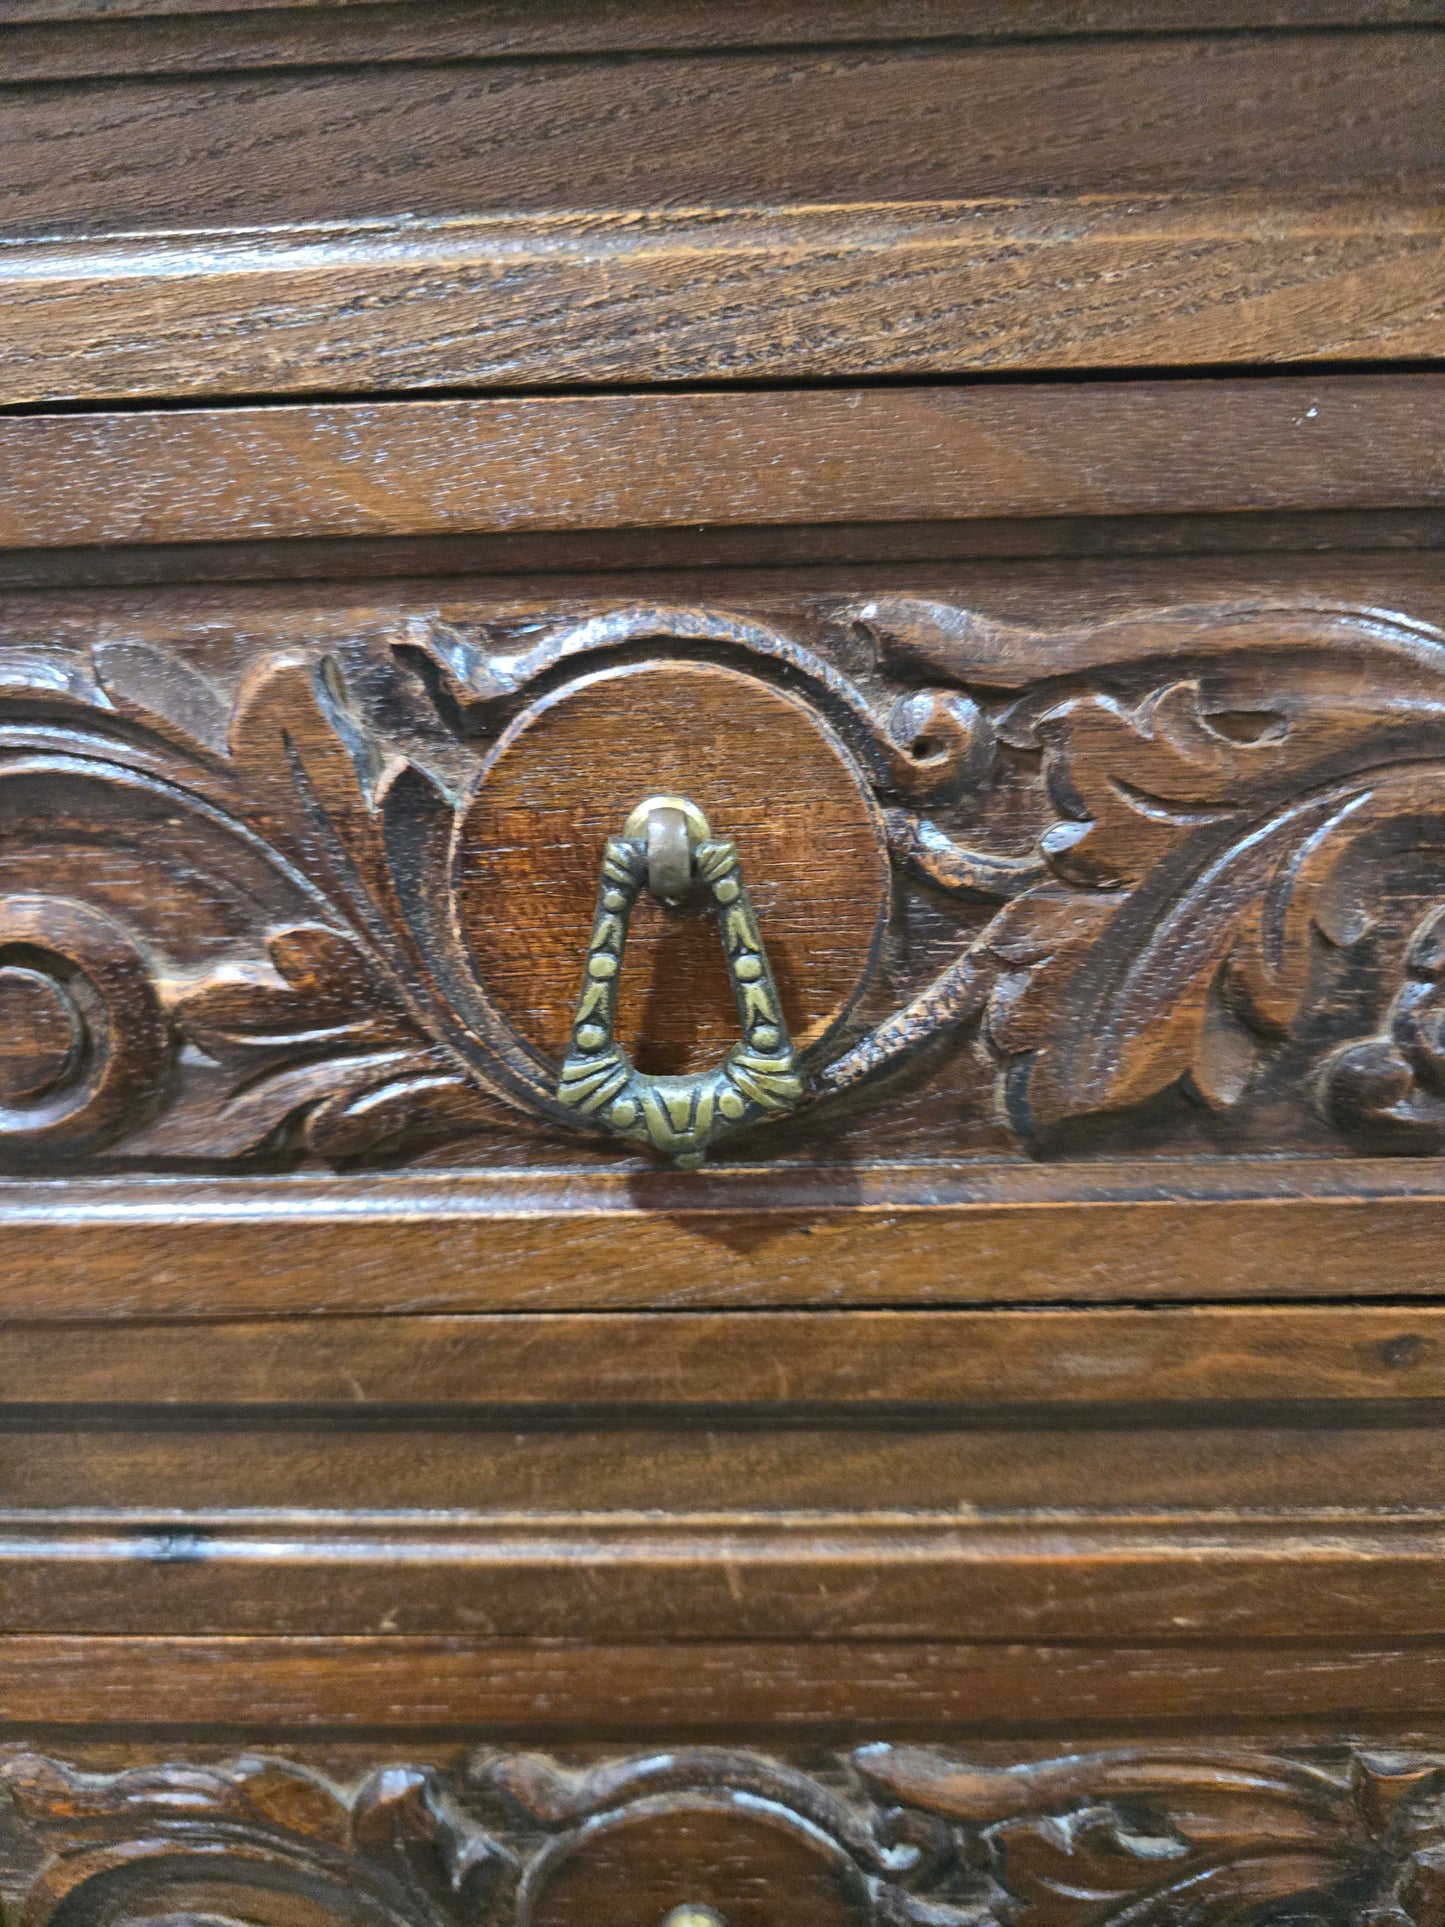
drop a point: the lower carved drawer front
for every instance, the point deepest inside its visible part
(694, 1836)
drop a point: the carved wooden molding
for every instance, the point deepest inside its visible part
(623, 293)
(888, 1834)
(1192, 861)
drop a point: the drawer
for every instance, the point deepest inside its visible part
(1026, 913)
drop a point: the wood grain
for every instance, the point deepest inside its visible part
(437, 467)
(1386, 552)
(470, 1686)
(849, 1361)
(922, 1428)
(828, 1836)
(232, 1249)
(153, 36)
(780, 295)
(916, 123)
(1192, 1580)
(416, 796)
(491, 1501)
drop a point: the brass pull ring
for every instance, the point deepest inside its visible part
(667, 845)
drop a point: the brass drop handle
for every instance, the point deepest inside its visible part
(667, 845)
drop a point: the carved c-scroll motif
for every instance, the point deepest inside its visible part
(257, 1840)
(1183, 853)
(109, 1061)
(889, 1836)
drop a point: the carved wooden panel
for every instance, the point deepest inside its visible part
(888, 1833)
(1170, 881)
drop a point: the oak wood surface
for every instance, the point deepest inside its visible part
(855, 1361)
(409, 713)
(273, 1511)
(237, 1249)
(1146, 115)
(828, 1834)
(433, 467)
(782, 294)
(1196, 1584)
(1333, 548)
(322, 1027)
(481, 1687)
(148, 36)
(532, 1438)
(526, 859)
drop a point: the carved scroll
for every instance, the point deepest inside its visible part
(888, 1835)
(1193, 860)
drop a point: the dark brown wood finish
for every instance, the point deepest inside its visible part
(863, 1362)
(629, 461)
(1156, 882)
(884, 289)
(507, 1835)
(1149, 115)
(160, 1249)
(375, 198)
(1003, 1488)
(100, 36)
(484, 1689)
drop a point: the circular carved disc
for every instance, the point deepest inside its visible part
(693, 1853)
(764, 771)
(38, 1033)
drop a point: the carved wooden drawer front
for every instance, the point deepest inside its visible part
(699, 1834)
(1161, 882)
(722, 964)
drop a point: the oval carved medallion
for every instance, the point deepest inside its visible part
(767, 773)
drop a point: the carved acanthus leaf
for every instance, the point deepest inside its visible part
(895, 1834)
(1175, 849)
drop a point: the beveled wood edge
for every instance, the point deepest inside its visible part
(916, 289)
(468, 1684)
(506, 28)
(605, 558)
(1277, 1229)
(1342, 1575)
(526, 1363)
(755, 457)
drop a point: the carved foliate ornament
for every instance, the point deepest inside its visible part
(1168, 880)
(689, 1836)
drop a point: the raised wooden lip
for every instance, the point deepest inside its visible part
(911, 289)
(634, 1190)
(908, 18)
(1226, 1230)
(574, 1578)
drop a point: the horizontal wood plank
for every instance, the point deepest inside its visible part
(780, 295)
(236, 1248)
(469, 1685)
(1328, 549)
(1197, 1581)
(858, 1361)
(667, 460)
(1304, 113)
(165, 1486)
(148, 36)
